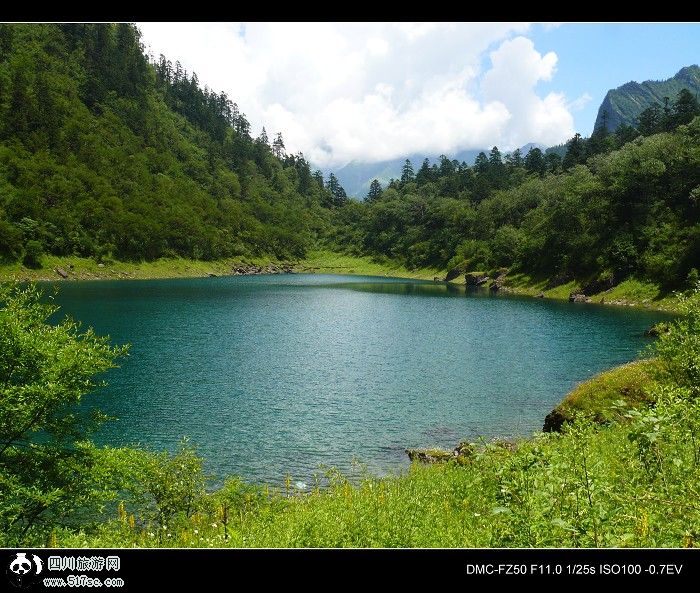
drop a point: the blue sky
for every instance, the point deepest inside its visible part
(594, 58)
(376, 91)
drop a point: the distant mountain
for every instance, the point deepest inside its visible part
(625, 103)
(355, 177)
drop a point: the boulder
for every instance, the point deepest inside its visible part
(598, 285)
(464, 449)
(61, 272)
(497, 283)
(656, 330)
(476, 279)
(577, 297)
(553, 421)
(429, 455)
(211, 275)
(540, 295)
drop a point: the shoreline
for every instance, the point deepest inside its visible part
(630, 293)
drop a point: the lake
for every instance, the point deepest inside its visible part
(282, 375)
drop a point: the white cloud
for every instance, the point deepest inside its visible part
(373, 91)
(580, 102)
(516, 68)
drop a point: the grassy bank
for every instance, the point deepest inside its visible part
(630, 292)
(322, 262)
(328, 262)
(607, 396)
(81, 268)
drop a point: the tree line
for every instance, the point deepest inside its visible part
(615, 205)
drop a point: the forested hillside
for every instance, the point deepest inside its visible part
(624, 104)
(104, 154)
(617, 205)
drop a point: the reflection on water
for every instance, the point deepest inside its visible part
(277, 375)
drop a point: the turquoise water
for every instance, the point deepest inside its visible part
(283, 375)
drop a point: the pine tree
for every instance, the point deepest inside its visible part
(407, 172)
(600, 141)
(685, 108)
(481, 163)
(624, 134)
(575, 151)
(278, 146)
(515, 158)
(263, 139)
(375, 191)
(650, 121)
(424, 174)
(552, 162)
(337, 192)
(534, 161)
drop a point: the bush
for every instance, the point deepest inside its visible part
(46, 462)
(678, 349)
(32, 255)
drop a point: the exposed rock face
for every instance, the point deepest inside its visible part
(476, 279)
(624, 104)
(553, 421)
(577, 297)
(599, 285)
(253, 269)
(460, 453)
(497, 283)
(61, 272)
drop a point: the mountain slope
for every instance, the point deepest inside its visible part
(103, 154)
(624, 104)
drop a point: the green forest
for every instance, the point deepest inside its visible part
(105, 154)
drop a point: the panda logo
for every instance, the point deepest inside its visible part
(21, 565)
(22, 571)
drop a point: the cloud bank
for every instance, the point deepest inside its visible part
(370, 92)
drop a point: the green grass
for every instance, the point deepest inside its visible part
(631, 292)
(591, 486)
(599, 397)
(325, 262)
(89, 269)
(328, 262)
